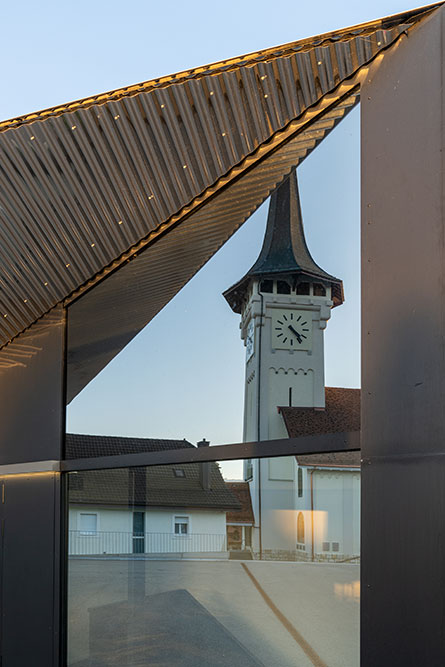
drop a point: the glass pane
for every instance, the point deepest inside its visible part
(149, 361)
(202, 570)
(236, 355)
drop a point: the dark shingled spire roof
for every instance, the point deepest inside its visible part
(284, 252)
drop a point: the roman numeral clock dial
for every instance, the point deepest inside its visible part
(292, 330)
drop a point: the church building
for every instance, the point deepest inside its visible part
(305, 507)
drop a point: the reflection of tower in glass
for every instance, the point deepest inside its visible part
(285, 301)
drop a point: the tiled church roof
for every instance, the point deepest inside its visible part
(341, 413)
(331, 460)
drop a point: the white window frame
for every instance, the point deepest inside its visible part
(88, 532)
(187, 522)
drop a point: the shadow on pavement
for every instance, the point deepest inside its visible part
(167, 630)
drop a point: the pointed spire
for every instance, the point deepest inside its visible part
(284, 252)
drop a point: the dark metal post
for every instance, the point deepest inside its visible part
(32, 544)
(403, 347)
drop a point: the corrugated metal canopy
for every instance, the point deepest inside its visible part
(170, 167)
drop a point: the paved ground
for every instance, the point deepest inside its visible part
(209, 613)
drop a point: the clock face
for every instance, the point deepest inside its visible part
(291, 330)
(250, 340)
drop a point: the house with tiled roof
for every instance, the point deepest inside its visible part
(154, 510)
(304, 507)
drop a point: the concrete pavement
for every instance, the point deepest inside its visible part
(213, 609)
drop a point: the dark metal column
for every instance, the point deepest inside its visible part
(403, 347)
(31, 554)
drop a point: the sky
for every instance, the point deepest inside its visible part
(157, 386)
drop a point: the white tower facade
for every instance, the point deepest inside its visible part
(285, 301)
(283, 333)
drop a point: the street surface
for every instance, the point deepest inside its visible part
(209, 613)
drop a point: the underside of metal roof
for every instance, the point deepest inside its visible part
(154, 178)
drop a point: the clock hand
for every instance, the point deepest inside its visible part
(300, 340)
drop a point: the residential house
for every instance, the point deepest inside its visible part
(153, 510)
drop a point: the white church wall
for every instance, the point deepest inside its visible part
(287, 386)
(336, 514)
(253, 488)
(303, 504)
(328, 512)
(250, 428)
(281, 469)
(250, 409)
(277, 530)
(277, 522)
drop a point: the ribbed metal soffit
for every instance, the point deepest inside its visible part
(86, 186)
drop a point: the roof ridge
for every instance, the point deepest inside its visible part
(221, 65)
(127, 437)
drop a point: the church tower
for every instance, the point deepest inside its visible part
(285, 301)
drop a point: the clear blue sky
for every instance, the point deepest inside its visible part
(55, 52)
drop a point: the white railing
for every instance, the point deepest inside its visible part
(115, 542)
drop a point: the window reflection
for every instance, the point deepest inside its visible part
(196, 569)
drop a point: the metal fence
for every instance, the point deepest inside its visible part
(83, 543)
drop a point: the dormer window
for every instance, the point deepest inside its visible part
(266, 286)
(303, 288)
(283, 287)
(319, 289)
